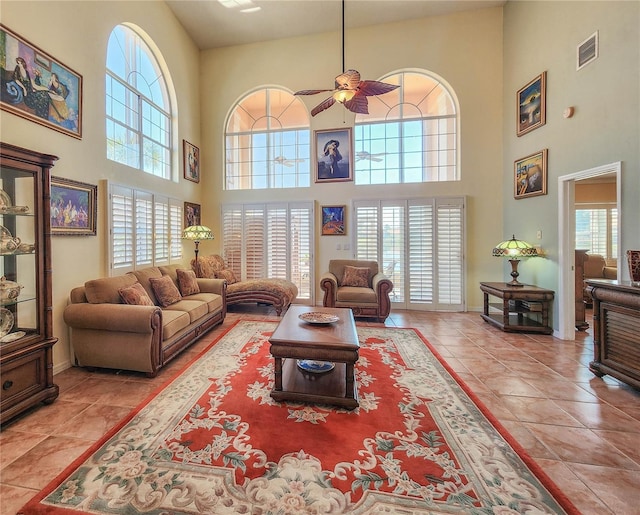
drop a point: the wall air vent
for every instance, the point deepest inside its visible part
(587, 51)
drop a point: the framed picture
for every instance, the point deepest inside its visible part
(532, 105)
(333, 151)
(38, 87)
(191, 214)
(530, 175)
(587, 51)
(191, 161)
(333, 223)
(73, 207)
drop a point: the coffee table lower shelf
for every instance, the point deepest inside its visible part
(323, 388)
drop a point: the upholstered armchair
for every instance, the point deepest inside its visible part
(358, 285)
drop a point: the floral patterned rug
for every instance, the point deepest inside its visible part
(214, 442)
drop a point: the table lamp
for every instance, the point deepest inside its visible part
(197, 233)
(514, 250)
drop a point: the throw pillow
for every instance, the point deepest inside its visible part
(135, 295)
(355, 276)
(227, 274)
(187, 282)
(165, 290)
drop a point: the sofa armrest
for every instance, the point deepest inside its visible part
(113, 317)
(381, 284)
(218, 286)
(329, 283)
(610, 272)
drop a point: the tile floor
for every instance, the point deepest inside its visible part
(584, 431)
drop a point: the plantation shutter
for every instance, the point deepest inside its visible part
(175, 230)
(450, 253)
(254, 240)
(419, 244)
(121, 205)
(161, 230)
(144, 228)
(270, 240)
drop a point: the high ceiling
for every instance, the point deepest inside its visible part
(212, 25)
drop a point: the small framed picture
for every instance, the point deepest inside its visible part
(73, 207)
(530, 175)
(532, 105)
(191, 161)
(191, 214)
(334, 155)
(333, 222)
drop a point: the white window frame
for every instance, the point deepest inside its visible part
(432, 230)
(260, 240)
(147, 125)
(152, 228)
(439, 150)
(239, 157)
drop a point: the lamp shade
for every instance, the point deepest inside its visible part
(197, 233)
(514, 249)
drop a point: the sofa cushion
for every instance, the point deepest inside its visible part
(106, 290)
(194, 308)
(213, 301)
(187, 282)
(165, 290)
(355, 276)
(356, 295)
(173, 322)
(227, 274)
(135, 295)
(143, 275)
(207, 266)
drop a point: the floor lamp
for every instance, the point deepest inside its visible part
(197, 233)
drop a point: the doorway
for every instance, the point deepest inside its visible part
(567, 239)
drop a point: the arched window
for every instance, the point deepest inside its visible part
(268, 142)
(138, 109)
(410, 134)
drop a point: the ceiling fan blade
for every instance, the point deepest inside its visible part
(358, 104)
(311, 91)
(326, 104)
(348, 80)
(374, 87)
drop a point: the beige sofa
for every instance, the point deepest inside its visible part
(106, 332)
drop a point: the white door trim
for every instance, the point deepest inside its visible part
(567, 242)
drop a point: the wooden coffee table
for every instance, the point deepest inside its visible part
(336, 342)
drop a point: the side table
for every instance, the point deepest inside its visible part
(523, 309)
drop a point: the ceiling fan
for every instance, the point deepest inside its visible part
(349, 90)
(364, 155)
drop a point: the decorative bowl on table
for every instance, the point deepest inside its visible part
(317, 317)
(315, 367)
(9, 290)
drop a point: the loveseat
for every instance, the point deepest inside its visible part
(141, 320)
(277, 292)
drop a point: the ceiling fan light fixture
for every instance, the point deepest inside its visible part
(344, 95)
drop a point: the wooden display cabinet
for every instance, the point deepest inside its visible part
(26, 320)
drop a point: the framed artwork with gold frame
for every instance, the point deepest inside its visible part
(532, 105)
(530, 175)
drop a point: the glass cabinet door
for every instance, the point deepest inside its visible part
(19, 313)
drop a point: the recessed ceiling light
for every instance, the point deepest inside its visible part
(251, 10)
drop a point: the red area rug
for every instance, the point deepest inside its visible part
(213, 441)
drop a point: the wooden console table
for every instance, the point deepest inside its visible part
(616, 330)
(523, 309)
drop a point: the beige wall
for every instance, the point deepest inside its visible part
(77, 33)
(594, 193)
(543, 36)
(464, 49)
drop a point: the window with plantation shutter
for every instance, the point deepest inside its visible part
(145, 229)
(271, 240)
(419, 244)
